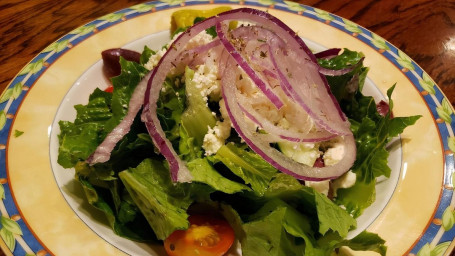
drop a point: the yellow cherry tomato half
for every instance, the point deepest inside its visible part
(206, 236)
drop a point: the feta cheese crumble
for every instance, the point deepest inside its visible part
(305, 153)
(320, 186)
(216, 137)
(206, 79)
(155, 58)
(201, 39)
(334, 154)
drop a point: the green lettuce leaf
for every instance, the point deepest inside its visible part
(77, 142)
(197, 117)
(125, 219)
(279, 229)
(188, 148)
(357, 198)
(170, 106)
(372, 133)
(104, 111)
(78, 139)
(163, 203)
(344, 86)
(331, 217)
(345, 59)
(324, 213)
(100, 182)
(124, 85)
(203, 172)
(266, 236)
(366, 241)
(96, 111)
(371, 130)
(145, 55)
(247, 165)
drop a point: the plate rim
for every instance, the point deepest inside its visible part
(412, 70)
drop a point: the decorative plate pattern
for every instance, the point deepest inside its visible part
(21, 238)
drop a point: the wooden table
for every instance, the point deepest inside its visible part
(424, 29)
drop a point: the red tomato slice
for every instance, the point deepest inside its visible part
(109, 89)
(206, 236)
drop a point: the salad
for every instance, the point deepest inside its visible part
(234, 130)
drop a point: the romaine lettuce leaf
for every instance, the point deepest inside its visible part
(247, 165)
(357, 198)
(344, 86)
(266, 236)
(170, 106)
(203, 172)
(124, 85)
(371, 130)
(372, 133)
(324, 213)
(101, 182)
(80, 138)
(197, 116)
(146, 54)
(188, 148)
(125, 219)
(95, 120)
(77, 142)
(365, 241)
(345, 59)
(163, 203)
(279, 229)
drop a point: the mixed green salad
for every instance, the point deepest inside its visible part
(270, 212)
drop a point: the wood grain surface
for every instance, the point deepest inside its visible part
(424, 29)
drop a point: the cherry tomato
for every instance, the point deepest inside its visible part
(206, 236)
(109, 89)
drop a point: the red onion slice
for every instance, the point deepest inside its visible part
(304, 135)
(270, 154)
(258, 80)
(256, 40)
(274, 46)
(103, 151)
(196, 56)
(303, 82)
(295, 61)
(178, 170)
(317, 100)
